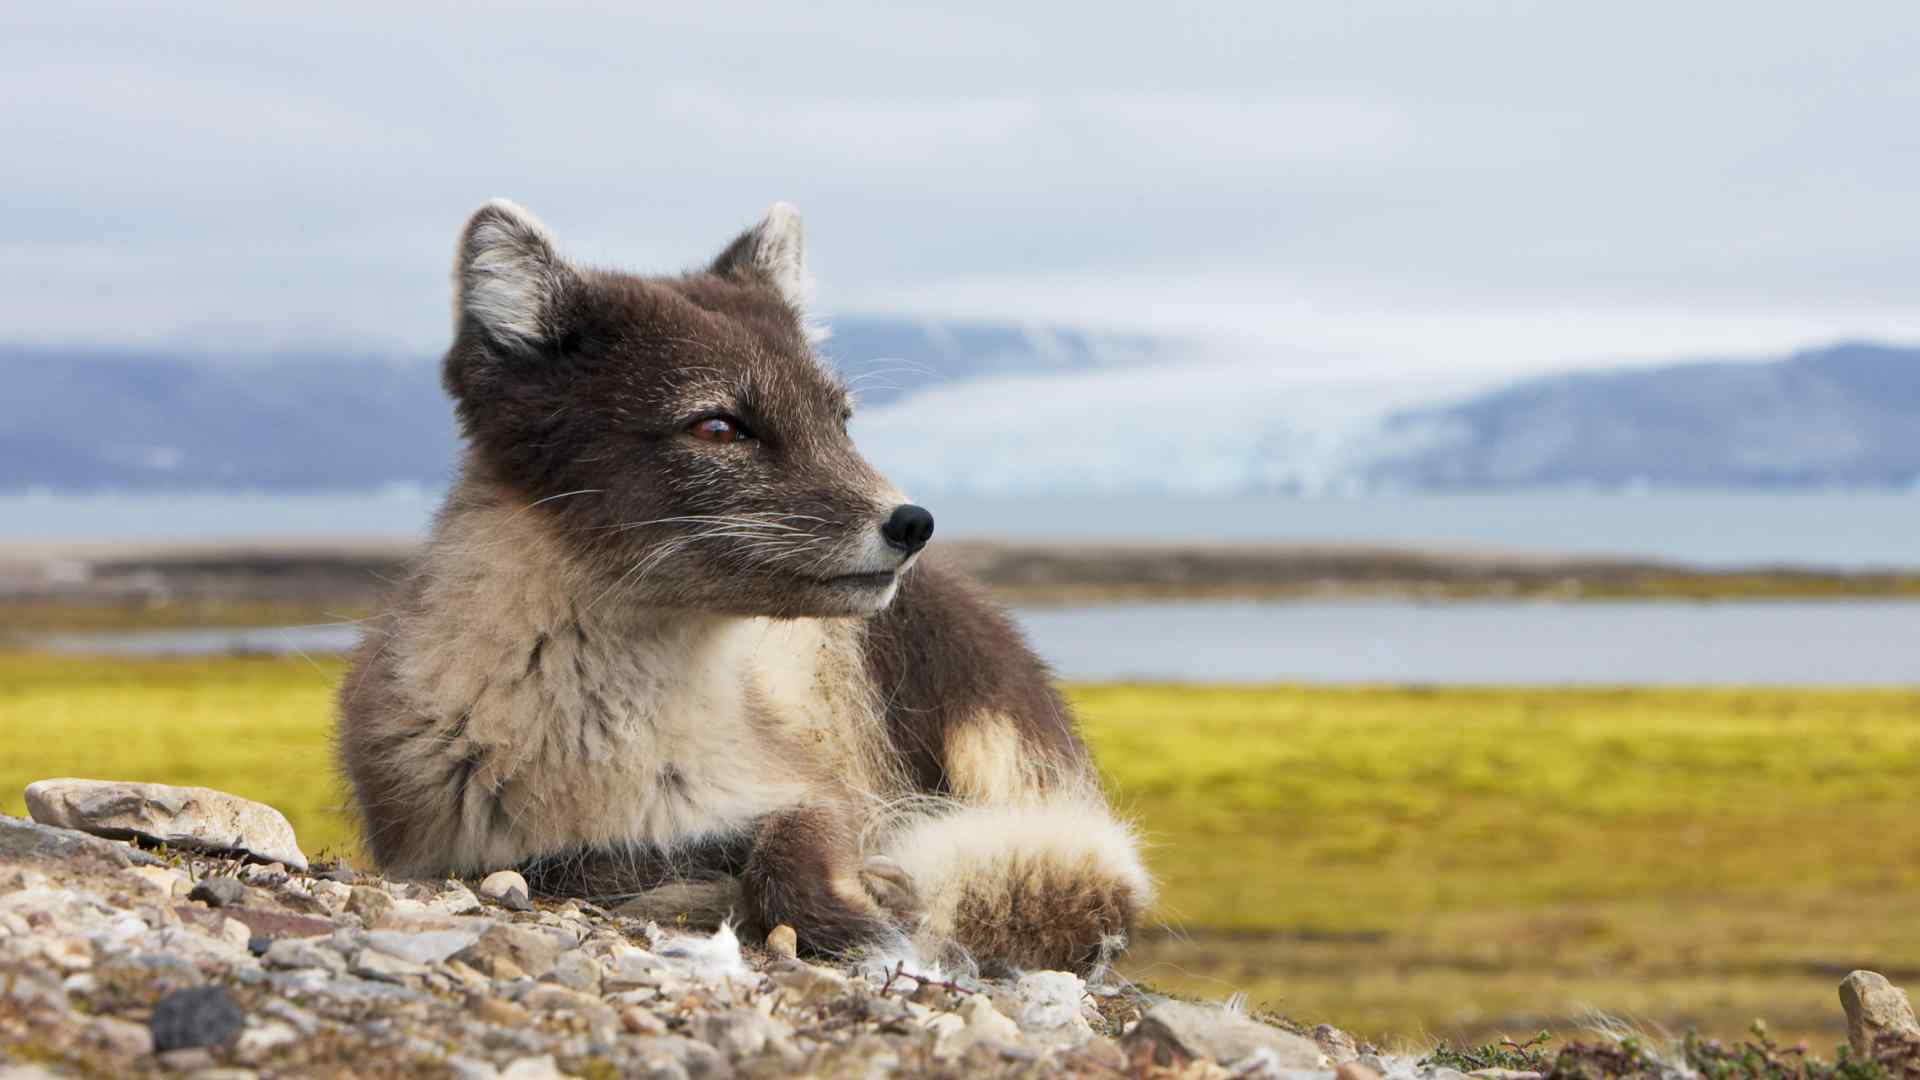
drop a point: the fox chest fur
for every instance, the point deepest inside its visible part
(563, 719)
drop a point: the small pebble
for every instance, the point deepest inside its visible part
(642, 1021)
(508, 889)
(782, 941)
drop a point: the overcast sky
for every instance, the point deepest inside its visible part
(1419, 188)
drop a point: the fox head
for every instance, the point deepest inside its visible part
(678, 431)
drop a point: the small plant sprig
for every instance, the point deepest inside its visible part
(1529, 1056)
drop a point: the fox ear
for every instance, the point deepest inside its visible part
(774, 250)
(507, 278)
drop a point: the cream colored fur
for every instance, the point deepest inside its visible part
(726, 703)
(947, 853)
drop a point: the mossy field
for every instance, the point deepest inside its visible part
(1409, 863)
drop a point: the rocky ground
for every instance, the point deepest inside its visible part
(148, 929)
(213, 948)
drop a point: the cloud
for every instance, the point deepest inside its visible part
(1549, 183)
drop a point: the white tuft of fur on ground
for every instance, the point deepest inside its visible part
(713, 958)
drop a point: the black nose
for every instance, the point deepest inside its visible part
(909, 528)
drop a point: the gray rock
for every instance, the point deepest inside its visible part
(123, 1037)
(554, 998)
(1875, 1009)
(810, 984)
(578, 971)
(300, 953)
(506, 952)
(421, 947)
(219, 892)
(639, 1020)
(740, 1033)
(978, 1022)
(199, 819)
(1336, 1044)
(302, 1021)
(1178, 1033)
(331, 895)
(193, 1059)
(629, 968)
(271, 875)
(470, 1068)
(668, 1053)
(456, 900)
(201, 1016)
(369, 903)
(384, 967)
(28, 841)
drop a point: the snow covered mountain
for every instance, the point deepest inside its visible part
(995, 409)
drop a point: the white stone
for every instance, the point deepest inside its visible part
(533, 1068)
(467, 1068)
(1049, 1004)
(165, 880)
(502, 884)
(234, 932)
(332, 895)
(195, 818)
(68, 953)
(257, 1041)
(457, 900)
(1178, 1031)
(980, 1023)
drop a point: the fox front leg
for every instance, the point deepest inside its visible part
(807, 871)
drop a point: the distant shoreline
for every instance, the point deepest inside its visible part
(108, 586)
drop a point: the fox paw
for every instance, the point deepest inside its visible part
(892, 888)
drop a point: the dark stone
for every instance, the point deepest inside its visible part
(202, 1016)
(219, 891)
(258, 944)
(30, 841)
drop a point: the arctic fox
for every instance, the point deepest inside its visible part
(671, 644)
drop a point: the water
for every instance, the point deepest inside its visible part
(1783, 643)
(1832, 529)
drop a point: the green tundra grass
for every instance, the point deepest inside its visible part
(1408, 863)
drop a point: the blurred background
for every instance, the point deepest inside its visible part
(1464, 459)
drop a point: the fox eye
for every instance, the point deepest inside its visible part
(719, 429)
